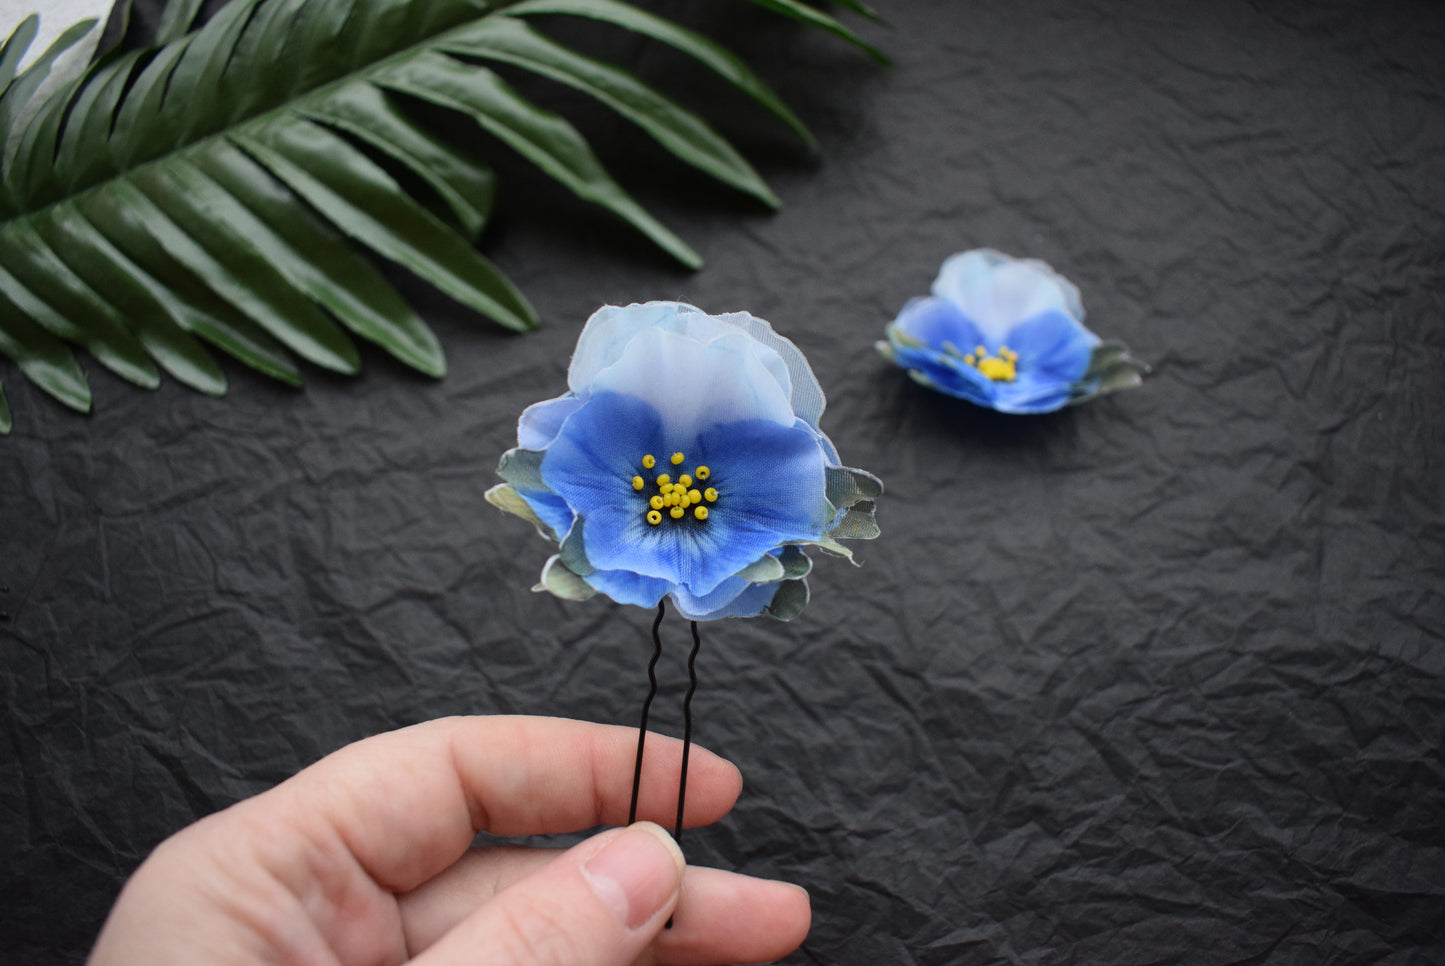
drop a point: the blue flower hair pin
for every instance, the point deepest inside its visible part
(685, 462)
(1007, 334)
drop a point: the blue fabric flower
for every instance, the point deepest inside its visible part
(1008, 334)
(684, 461)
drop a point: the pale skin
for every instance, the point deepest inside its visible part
(366, 858)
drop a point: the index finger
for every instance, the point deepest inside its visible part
(408, 803)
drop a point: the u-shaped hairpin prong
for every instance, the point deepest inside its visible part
(646, 707)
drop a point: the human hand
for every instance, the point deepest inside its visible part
(365, 858)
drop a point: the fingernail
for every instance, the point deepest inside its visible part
(636, 874)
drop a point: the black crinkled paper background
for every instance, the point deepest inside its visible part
(1159, 679)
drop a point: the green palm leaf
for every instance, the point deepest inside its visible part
(210, 193)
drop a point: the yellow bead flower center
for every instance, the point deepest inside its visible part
(1000, 368)
(675, 499)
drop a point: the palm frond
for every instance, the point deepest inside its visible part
(212, 192)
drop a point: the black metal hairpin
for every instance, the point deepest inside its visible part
(686, 718)
(686, 722)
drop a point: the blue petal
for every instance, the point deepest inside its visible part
(732, 598)
(938, 322)
(942, 372)
(1053, 346)
(771, 479)
(627, 587)
(550, 508)
(1054, 352)
(540, 422)
(997, 291)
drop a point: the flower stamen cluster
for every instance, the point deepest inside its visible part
(1000, 368)
(675, 498)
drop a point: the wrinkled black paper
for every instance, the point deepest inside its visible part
(1156, 679)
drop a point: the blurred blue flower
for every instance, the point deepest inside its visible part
(685, 460)
(1008, 334)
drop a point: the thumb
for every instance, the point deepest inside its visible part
(598, 904)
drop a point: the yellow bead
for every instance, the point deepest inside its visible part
(695, 496)
(654, 517)
(999, 370)
(637, 483)
(702, 472)
(677, 458)
(649, 461)
(671, 498)
(980, 351)
(683, 501)
(710, 495)
(700, 513)
(675, 513)
(684, 481)
(663, 480)
(656, 503)
(665, 489)
(970, 359)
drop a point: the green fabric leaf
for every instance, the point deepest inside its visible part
(137, 132)
(227, 263)
(188, 300)
(846, 486)
(79, 160)
(465, 185)
(573, 551)
(364, 202)
(96, 262)
(28, 267)
(194, 105)
(17, 96)
(176, 19)
(861, 9)
(1111, 368)
(15, 47)
(522, 468)
(765, 570)
(561, 582)
(312, 258)
(795, 562)
(803, 13)
(46, 361)
(712, 55)
(790, 600)
(674, 127)
(505, 497)
(544, 138)
(858, 523)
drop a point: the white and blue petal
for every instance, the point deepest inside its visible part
(540, 422)
(997, 291)
(612, 328)
(695, 384)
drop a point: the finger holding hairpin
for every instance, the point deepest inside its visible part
(711, 906)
